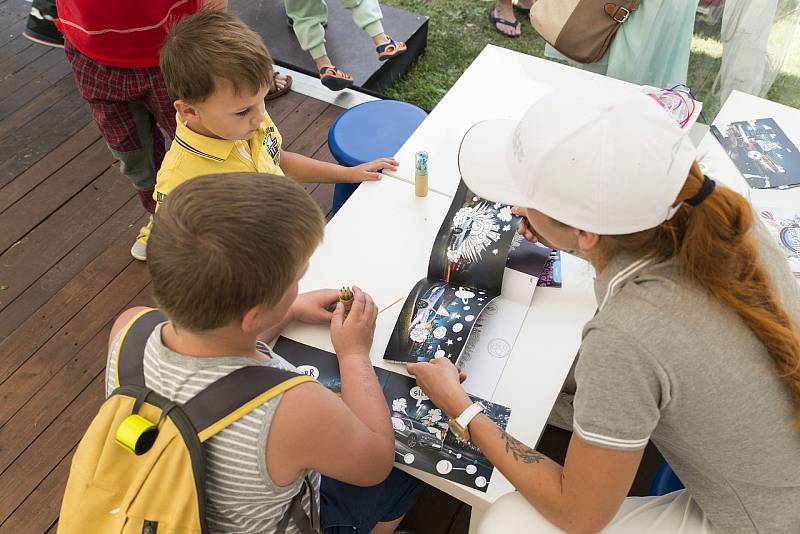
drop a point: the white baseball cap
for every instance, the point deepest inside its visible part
(611, 164)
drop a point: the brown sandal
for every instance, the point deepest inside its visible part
(274, 92)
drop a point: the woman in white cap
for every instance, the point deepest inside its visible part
(695, 344)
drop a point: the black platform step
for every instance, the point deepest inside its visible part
(348, 46)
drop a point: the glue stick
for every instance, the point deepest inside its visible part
(421, 173)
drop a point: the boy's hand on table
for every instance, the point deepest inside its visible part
(369, 172)
(352, 335)
(315, 306)
(441, 381)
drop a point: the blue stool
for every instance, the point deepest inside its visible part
(665, 481)
(367, 132)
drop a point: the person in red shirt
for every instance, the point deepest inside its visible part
(113, 50)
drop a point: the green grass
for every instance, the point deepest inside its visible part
(457, 32)
(459, 29)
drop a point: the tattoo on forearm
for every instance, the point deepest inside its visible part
(520, 451)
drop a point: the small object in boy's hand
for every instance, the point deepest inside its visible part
(421, 173)
(346, 298)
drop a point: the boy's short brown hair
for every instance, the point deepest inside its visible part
(222, 244)
(209, 46)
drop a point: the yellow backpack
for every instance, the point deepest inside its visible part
(140, 467)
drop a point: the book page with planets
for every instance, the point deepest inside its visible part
(465, 273)
(423, 439)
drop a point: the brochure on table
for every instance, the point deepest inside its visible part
(783, 225)
(687, 110)
(551, 272)
(761, 151)
(422, 436)
(495, 332)
(465, 275)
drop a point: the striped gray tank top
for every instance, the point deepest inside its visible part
(241, 498)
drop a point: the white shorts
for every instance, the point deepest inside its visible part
(675, 513)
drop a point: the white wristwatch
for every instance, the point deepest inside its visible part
(460, 425)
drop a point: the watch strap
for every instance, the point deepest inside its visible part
(469, 414)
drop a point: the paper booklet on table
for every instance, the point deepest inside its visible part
(674, 101)
(465, 274)
(784, 226)
(761, 151)
(422, 437)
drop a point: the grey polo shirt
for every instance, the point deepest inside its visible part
(665, 361)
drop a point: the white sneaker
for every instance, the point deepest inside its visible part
(139, 248)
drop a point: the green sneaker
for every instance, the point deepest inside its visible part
(139, 248)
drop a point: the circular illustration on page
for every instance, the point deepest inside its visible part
(499, 348)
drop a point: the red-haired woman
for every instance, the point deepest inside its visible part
(695, 344)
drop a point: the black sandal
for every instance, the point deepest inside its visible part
(497, 20)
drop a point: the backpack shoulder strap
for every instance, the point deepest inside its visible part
(235, 395)
(129, 352)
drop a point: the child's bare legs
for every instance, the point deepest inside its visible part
(323, 62)
(380, 39)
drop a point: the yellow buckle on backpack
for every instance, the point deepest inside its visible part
(136, 434)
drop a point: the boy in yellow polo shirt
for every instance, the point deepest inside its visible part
(218, 71)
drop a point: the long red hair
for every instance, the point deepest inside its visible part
(715, 245)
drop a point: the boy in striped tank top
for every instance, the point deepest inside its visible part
(225, 257)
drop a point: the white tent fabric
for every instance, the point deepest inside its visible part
(756, 38)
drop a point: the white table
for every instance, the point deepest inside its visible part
(381, 239)
(741, 107)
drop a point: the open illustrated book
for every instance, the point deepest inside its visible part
(422, 437)
(465, 274)
(761, 151)
(459, 299)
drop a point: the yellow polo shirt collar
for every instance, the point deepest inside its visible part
(207, 147)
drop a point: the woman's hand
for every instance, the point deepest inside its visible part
(525, 229)
(315, 306)
(441, 381)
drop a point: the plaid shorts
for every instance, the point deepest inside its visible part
(108, 90)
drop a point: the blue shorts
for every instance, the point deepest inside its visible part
(348, 509)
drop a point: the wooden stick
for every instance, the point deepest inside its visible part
(390, 305)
